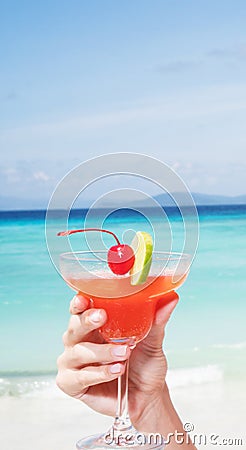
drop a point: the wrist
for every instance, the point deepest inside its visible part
(160, 416)
(153, 412)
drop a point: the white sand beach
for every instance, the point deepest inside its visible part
(53, 421)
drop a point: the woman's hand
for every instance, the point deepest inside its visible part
(88, 369)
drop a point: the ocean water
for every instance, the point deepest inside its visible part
(206, 339)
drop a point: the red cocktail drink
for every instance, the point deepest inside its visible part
(129, 317)
(130, 309)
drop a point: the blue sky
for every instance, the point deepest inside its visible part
(82, 78)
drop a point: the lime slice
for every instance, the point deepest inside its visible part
(142, 245)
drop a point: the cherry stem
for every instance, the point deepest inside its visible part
(67, 233)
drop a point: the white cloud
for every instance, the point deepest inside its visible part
(236, 52)
(178, 66)
(41, 176)
(222, 55)
(203, 102)
(11, 175)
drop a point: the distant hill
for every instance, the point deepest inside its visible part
(205, 199)
(15, 203)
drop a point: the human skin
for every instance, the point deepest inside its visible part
(88, 370)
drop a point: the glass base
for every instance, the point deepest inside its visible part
(130, 438)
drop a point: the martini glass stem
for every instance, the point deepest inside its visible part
(122, 426)
(122, 407)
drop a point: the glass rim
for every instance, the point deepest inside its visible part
(81, 255)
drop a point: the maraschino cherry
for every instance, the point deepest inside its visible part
(120, 257)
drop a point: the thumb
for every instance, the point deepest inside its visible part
(164, 310)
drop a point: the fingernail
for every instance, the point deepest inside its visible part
(119, 350)
(76, 302)
(95, 316)
(116, 368)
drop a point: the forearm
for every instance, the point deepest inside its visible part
(160, 416)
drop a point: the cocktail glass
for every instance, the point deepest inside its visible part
(130, 313)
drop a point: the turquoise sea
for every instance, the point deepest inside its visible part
(206, 338)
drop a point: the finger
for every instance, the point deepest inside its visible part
(163, 313)
(76, 382)
(81, 325)
(84, 354)
(165, 309)
(78, 304)
(167, 298)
